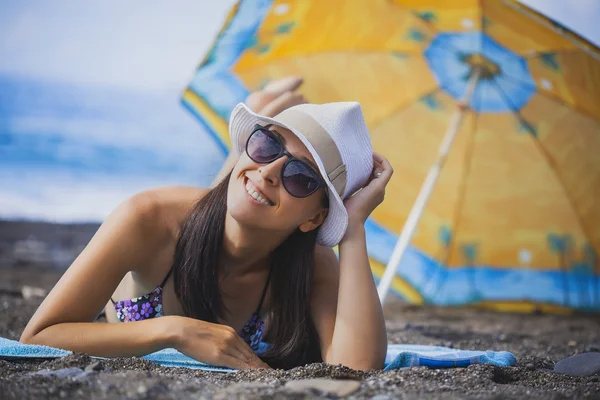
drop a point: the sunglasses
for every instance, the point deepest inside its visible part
(298, 178)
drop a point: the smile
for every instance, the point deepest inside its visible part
(256, 194)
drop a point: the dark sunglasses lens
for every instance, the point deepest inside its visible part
(263, 147)
(299, 180)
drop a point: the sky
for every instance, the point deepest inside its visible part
(150, 45)
(107, 79)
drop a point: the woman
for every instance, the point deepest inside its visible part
(246, 261)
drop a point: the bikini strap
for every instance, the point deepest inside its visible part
(166, 278)
(161, 285)
(262, 298)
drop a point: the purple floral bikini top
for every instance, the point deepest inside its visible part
(150, 306)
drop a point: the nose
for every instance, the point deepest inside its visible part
(271, 172)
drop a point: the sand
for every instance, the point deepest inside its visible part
(538, 341)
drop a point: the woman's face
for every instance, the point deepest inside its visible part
(275, 209)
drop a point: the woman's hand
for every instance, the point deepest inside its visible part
(363, 202)
(276, 96)
(214, 344)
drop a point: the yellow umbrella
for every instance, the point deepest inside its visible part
(489, 114)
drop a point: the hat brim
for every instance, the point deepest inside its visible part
(241, 124)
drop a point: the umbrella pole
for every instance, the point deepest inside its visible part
(434, 172)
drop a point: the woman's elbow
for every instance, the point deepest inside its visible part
(29, 336)
(26, 339)
(363, 364)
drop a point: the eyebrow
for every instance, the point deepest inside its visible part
(280, 136)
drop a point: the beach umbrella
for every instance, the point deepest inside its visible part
(489, 114)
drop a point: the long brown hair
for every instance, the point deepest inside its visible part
(294, 337)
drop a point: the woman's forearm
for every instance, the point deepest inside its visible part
(359, 338)
(109, 340)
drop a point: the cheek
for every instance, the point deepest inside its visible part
(297, 210)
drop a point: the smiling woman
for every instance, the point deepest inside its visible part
(251, 259)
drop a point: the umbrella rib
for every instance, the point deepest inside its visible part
(544, 21)
(504, 96)
(574, 108)
(546, 95)
(536, 54)
(403, 108)
(517, 114)
(519, 82)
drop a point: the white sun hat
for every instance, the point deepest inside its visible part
(336, 136)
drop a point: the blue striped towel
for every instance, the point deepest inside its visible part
(398, 356)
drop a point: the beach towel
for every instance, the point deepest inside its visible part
(398, 356)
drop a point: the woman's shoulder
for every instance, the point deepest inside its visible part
(163, 209)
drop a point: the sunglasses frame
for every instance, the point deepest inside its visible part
(284, 152)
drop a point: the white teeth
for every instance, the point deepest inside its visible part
(255, 195)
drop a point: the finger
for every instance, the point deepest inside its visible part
(252, 359)
(378, 156)
(240, 349)
(289, 83)
(247, 353)
(286, 100)
(386, 164)
(242, 357)
(236, 363)
(387, 171)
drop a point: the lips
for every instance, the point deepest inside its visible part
(255, 193)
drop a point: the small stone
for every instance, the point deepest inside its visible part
(30, 292)
(142, 389)
(530, 367)
(339, 388)
(572, 343)
(585, 364)
(95, 366)
(60, 373)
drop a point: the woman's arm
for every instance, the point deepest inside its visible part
(124, 242)
(346, 307)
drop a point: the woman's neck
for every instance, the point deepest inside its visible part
(246, 250)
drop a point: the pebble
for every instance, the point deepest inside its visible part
(142, 389)
(585, 364)
(572, 343)
(60, 373)
(96, 366)
(74, 373)
(30, 292)
(530, 367)
(339, 388)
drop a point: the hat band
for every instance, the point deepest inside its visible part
(322, 142)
